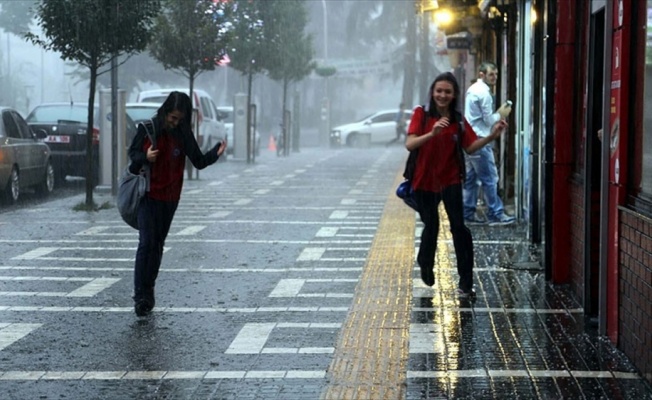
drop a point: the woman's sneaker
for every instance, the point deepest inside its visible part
(143, 307)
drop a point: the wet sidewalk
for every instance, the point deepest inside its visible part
(522, 338)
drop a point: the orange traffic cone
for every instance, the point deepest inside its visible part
(272, 143)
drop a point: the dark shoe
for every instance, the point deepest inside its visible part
(502, 219)
(475, 220)
(466, 294)
(143, 307)
(427, 275)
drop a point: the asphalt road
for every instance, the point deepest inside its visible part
(258, 273)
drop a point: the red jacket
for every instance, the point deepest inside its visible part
(438, 164)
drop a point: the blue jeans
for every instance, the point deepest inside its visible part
(462, 240)
(481, 169)
(154, 220)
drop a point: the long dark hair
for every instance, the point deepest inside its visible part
(180, 102)
(453, 106)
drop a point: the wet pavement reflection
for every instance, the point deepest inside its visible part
(521, 338)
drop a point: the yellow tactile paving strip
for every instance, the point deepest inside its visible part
(371, 354)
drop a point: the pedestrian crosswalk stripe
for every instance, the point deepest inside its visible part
(10, 332)
(292, 374)
(174, 309)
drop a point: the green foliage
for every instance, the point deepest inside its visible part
(325, 71)
(90, 32)
(249, 42)
(190, 37)
(15, 16)
(289, 55)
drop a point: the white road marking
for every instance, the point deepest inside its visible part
(159, 375)
(327, 231)
(292, 288)
(253, 336)
(261, 191)
(281, 374)
(191, 230)
(184, 310)
(36, 253)
(220, 214)
(93, 287)
(311, 254)
(10, 333)
(242, 202)
(339, 214)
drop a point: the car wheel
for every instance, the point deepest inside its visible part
(47, 185)
(12, 190)
(352, 140)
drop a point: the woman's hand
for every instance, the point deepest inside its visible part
(439, 125)
(498, 128)
(222, 148)
(152, 154)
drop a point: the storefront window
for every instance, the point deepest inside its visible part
(646, 176)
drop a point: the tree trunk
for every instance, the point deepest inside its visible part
(286, 134)
(424, 56)
(90, 165)
(410, 60)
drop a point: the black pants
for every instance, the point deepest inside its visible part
(154, 220)
(428, 203)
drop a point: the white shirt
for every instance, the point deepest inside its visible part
(478, 108)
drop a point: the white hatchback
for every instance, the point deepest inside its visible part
(211, 125)
(381, 127)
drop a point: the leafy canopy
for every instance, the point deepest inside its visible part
(91, 32)
(192, 36)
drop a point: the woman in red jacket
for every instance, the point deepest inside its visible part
(170, 141)
(440, 133)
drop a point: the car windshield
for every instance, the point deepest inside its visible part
(229, 115)
(154, 99)
(367, 117)
(54, 113)
(138, 113)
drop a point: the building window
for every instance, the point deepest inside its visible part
(646, 156)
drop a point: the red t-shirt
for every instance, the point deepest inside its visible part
(166, 174)
(437, 164)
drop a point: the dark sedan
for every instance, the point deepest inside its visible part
(24, 158)
(65, 125)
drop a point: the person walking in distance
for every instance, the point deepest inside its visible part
(162, 144)
(439, 132)
(400, 124)
(481, 167)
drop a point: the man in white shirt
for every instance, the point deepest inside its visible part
(481, 166)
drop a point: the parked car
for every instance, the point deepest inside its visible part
(65, 125)
(381, 126)
(227, 113)
(142, 112)
(24, 158)
(211, 126)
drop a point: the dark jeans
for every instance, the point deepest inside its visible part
(154, 220)
(428, 203)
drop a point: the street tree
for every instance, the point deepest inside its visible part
(394, 25)
(290, 58)
(191, 37)
(248, 49)
(16, 16)
(92, 32)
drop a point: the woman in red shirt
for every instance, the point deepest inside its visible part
(436, 131)
(170, 141)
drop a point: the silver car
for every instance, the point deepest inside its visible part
(380, 126)
(24, 157)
